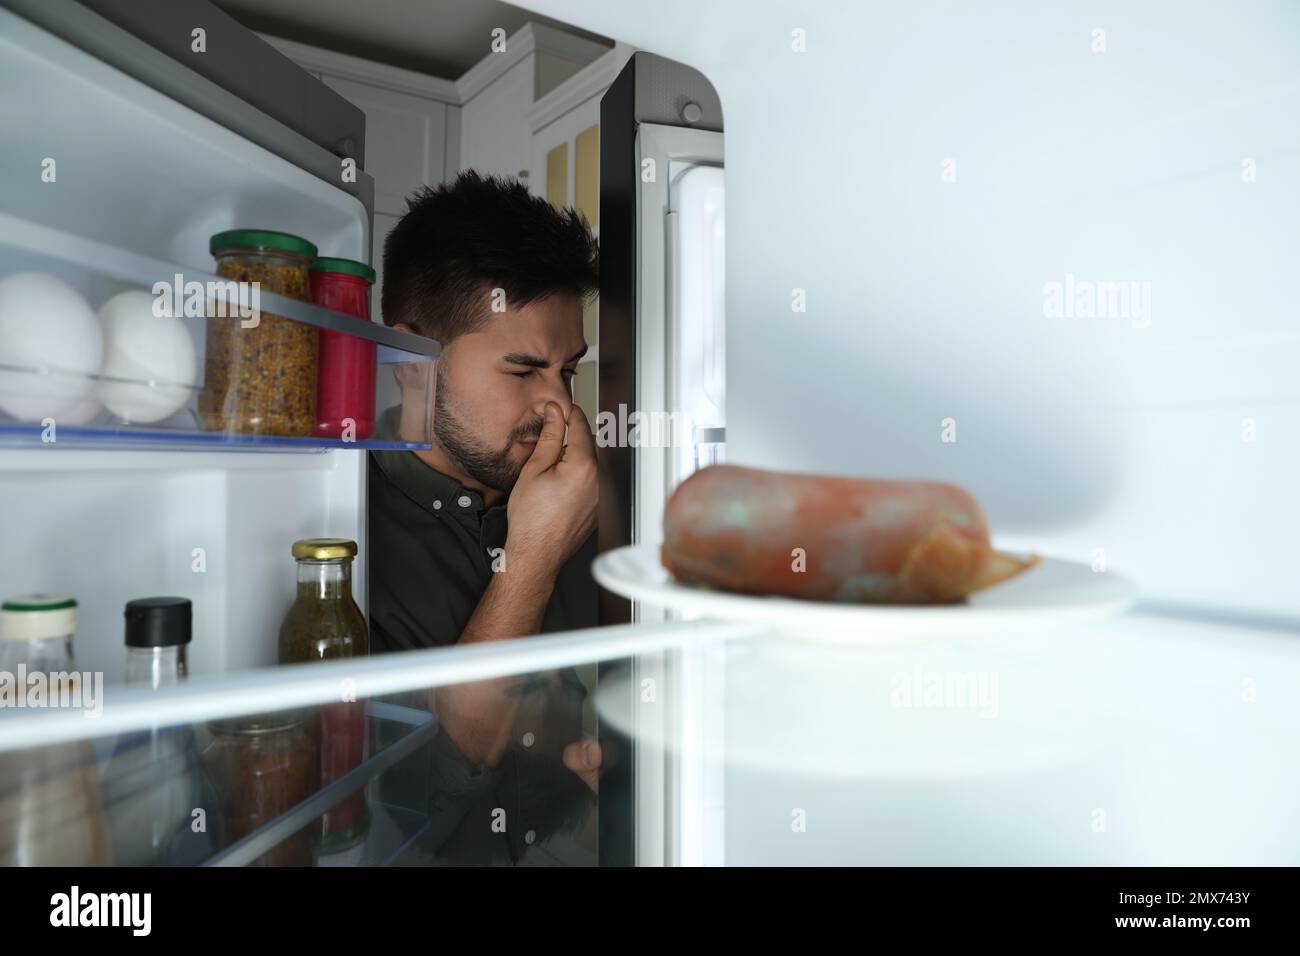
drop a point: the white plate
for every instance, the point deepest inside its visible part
(1055, 592)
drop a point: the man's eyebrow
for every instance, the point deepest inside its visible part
(536, 361)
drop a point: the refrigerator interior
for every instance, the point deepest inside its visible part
(908, 194)
(1160, 450)
(892, 246)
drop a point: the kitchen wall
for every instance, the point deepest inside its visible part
(914, 188)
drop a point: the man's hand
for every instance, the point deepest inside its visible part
(552, 507)
(583, 757)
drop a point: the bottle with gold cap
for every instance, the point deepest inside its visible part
(325, 623)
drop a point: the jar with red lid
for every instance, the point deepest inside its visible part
(345, 391)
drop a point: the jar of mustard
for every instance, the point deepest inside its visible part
(260, 371)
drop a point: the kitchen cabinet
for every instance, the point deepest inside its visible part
(406, 139)
(565, 144)
(500, 92)
(572, 161)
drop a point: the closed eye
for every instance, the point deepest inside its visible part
(564, 371)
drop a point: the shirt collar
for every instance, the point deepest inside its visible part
(435, 492)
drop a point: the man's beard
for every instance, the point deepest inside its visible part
(494, 469)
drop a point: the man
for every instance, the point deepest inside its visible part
(490, 534)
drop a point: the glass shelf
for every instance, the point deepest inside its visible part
(955, 750)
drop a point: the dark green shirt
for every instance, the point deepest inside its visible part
(431, 552)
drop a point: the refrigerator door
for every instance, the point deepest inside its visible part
(231, 770)
(662, 338)
(697, 324)
(122, 163)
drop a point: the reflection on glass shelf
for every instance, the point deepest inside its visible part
(393, 830)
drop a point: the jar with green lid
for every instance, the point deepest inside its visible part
(51, 805)
(260, 372)
(36, 630)
(324, 623)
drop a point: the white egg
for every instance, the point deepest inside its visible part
(83, 412)
(50, 346)
(154, 351)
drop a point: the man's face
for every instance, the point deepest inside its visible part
(493, 385)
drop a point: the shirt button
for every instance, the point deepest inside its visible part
(530, 836)
(529, 739)
(436, 504)
(463, 501)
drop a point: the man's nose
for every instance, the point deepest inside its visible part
(552, 388)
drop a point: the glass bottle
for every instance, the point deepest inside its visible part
(51, 809)
(157, 635)
(324, 623)
(154, 780)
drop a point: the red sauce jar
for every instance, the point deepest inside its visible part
(345, 382)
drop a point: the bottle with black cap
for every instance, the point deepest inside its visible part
(157, 634)
(154, 778)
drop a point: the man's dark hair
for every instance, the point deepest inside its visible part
(460, 240)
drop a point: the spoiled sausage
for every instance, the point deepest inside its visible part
(828, 538)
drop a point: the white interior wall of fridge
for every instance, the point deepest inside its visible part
(133, 169)
(924, 185)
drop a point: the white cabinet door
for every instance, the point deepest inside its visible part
(406, 140)
(564, 130)
(495, 138)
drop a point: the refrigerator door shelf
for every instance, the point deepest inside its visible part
(164, 769)
(241, 729)
(125, 438)
(95, 266)
(397, 733)
(154, 390)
